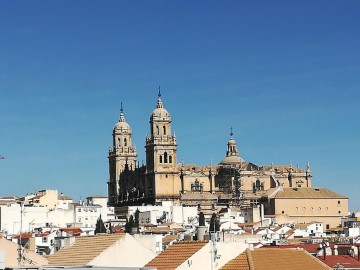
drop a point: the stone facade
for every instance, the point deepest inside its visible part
(233, 182)
(305, 205)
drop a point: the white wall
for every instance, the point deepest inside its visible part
(178, 214)
(122, 254)
(203, 258)
(32, 216)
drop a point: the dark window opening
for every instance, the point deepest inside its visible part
(197, 186)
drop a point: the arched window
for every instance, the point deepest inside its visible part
(160, 159)
(170, 159)
(119, 141)
(125, 142)
(157, 130)
(165, 157)
(164, 130)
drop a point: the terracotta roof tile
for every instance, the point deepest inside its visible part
(23, 236)
(175, 255)
(84, 250)
(311, 248)
(345, 260)
(73, 231)
(169, 238)
(275, 259)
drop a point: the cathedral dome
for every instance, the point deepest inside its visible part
(122, 125)
(231, 160)
(232, 153)
(160, 111)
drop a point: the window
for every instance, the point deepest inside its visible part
(79, 210)
(125, 142)
(258, 185)
(160, 159)
(196, 186)
(165, 157)
(44, 239)
(157, 130)
(164, 130)
(170, 159)
(282, 212)
(338, 202)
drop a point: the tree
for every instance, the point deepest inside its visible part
(214, 224)
(136, 222)
(110, 229)
(129, 224)
(100, 227)
(201, 219)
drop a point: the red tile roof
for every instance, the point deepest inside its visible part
(175, 255)
(274, 259)
(311, 248)
(42, 234)
(345, 260)
(23, 236)
(73, 231)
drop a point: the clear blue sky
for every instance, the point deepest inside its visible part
(285, 75)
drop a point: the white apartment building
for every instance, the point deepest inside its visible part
(48, 209)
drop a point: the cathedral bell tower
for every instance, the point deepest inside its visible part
(122, 156)
(162, 176)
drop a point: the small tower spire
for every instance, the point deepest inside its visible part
(122, 117)
(308, 168)
(159, 101)
(159, 93)
(231, 132)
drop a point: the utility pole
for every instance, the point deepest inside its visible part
(20, 250)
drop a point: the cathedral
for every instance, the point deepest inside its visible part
(234, 182)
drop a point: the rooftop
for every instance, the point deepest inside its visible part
(274, 259)
(345, 260)
(175, 255)
(84, 250)
(308, 193)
